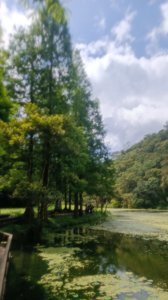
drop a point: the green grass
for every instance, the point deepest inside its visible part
(69, 220)
(12, 211)
(53, 224)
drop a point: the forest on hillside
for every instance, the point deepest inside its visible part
(142, 173)
(52, 147)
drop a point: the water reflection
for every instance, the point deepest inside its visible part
(109, 252)
(142, 257)
(85, 264)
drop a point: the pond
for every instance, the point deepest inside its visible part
(89, 264)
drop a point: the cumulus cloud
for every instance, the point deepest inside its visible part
(133, 91)
(159, 31)
(114, 4)
(10, 19)
(151, 2)
(122, 31)
(100, 22)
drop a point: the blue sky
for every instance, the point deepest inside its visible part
(124, 47)
(90, 20)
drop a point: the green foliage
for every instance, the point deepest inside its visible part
(12, 211)
(52, 150)
(5, 103)
(142, 173)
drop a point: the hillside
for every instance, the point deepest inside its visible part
(142, 173)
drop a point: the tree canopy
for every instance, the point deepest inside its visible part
(142, 173)
(52, 135)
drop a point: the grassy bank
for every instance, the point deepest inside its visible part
(32, 233)
(12, 211)
(65, 221)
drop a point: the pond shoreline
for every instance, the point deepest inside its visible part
(144, 223)
(77, 262)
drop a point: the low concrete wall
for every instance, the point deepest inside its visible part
(5, 245)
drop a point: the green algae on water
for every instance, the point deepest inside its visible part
(60, 283)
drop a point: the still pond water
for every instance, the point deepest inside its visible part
(89, 264)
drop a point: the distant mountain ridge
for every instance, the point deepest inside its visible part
(142, 173)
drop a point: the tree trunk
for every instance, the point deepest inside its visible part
(45, 178)
(42, 213)
(30, 158)
(70, 199)
(29, 213)
(46, 163)
(65, 197)
(57, 205)
(81, 204)
(76, 202)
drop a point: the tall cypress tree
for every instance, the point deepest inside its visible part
(41, 71)
(60, 127)
(5, 103)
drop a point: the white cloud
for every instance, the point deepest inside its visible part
(114, 4)
(151, 2)
(164, 12)
(100, 22)
(122, 31)
(10, 19)
(133, 91)
(160, 30)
